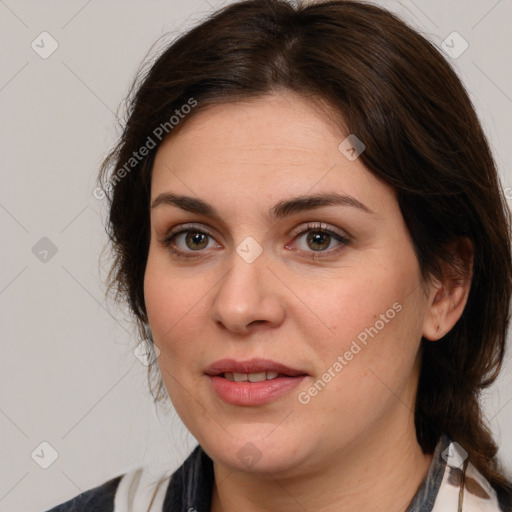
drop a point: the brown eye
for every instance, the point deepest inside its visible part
(187, 240)
(196, 241)
(318, 240)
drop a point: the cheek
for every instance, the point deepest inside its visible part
(370, 358)
(176, 315)
(355, 302)
(374, 319)
(175, 308)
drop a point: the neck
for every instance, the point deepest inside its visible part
(369, 475)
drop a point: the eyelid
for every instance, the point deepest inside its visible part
(188, 227)
(320, 226)
(343, 240)
(173, 233)
(297, 231)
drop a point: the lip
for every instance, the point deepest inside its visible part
(253, 393)
(251, 366)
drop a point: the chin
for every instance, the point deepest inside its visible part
(260, 453)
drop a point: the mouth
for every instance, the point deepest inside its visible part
(252, 377)
(254, 370)
(253, 382)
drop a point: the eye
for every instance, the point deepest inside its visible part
(316, 239)
(186, 240)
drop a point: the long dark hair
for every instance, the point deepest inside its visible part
(393, 89)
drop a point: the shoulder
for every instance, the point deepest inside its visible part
(505, 497)
(98, 499)
(139, 489)
(463, 484)
(189, 487)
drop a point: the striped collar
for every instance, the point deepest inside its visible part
(452, 484)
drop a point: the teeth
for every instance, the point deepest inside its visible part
(257, 377)
(251, 377)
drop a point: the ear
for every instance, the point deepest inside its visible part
(448, 297)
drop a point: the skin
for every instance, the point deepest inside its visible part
(353, 446)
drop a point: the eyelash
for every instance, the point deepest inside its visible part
(314, 255)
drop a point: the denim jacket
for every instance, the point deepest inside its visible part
(452, 483)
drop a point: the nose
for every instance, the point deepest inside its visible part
(248, 297)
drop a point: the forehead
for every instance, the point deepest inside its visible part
(283, 124)
(263, 147)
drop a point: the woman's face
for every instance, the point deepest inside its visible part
(261, 276)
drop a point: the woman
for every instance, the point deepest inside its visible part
(309, 227)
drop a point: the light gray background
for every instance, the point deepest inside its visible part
(68, 374)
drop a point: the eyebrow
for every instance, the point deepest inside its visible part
(279, 210)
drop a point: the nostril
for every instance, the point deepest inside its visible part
(257, 322)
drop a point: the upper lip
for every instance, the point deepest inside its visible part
(251, 366)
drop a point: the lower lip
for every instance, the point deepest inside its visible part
(253, 393)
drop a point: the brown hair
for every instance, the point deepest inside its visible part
(394, 91)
